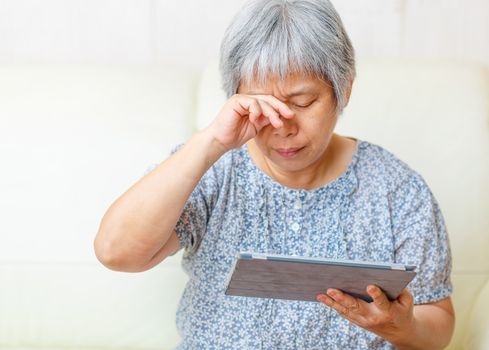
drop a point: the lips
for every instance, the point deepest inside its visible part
(288, 152)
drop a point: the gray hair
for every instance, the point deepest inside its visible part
(280, 37)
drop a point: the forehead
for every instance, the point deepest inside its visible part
(295, 84)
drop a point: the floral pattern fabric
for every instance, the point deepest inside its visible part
(379, 209)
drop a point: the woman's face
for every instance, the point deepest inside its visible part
(303, 140)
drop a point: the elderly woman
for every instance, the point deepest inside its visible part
(270, 175)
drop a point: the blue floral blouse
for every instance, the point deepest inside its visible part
(379, 209)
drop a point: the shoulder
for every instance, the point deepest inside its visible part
(225, 166)
(378, 166)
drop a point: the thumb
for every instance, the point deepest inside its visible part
(405, 298)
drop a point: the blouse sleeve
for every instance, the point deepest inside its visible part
(192, 224)
(421, 239)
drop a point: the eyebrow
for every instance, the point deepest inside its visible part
(305, 90)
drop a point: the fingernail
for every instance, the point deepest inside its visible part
(323, 299)
(327, 301)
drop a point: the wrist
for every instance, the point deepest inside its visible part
(407, 336)
(205, 141)
(214, 143)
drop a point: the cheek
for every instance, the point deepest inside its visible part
(314, 126)
(261, 139)
(264, 133)
(324, 118)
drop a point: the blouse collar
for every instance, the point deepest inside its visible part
(345, 184)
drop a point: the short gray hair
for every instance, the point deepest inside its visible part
(279, 37)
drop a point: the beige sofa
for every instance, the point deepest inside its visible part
(75, 137)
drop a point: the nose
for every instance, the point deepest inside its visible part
(289, 129)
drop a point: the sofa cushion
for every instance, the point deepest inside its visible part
(74, 138)
(85, 305)
(477, 335)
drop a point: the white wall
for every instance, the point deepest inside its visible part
(189, 31)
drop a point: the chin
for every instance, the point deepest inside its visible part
(291, 164)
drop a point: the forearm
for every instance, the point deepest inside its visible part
(142, 219)
(432, 329)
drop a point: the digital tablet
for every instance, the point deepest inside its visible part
(302, 278)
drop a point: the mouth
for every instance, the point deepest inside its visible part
(289, 152)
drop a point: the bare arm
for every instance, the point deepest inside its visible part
(433, 326)
(139, 223)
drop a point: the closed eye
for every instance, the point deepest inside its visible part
(304, 106)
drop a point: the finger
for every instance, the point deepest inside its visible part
(245, 106)
(406, 299)
(283, 109)
(344, 311)
(380, 299)
(271, 114)
(357, 319)
(259, 113)
(253, 108)
(353, 304)
(326, 299)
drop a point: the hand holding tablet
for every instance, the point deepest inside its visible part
(301, 278)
